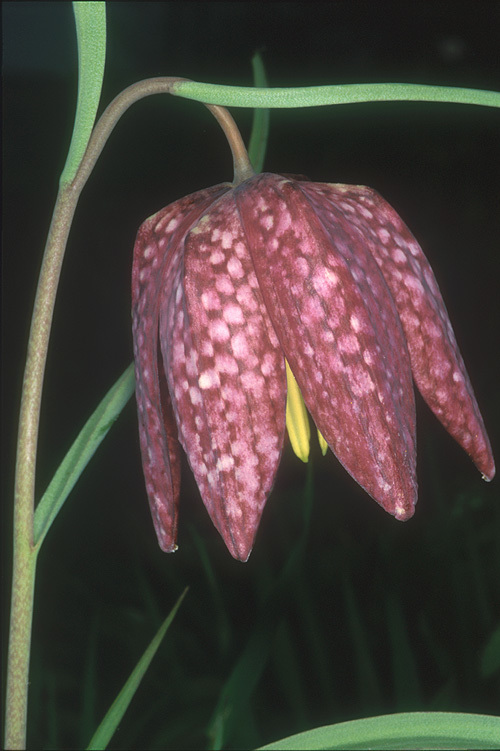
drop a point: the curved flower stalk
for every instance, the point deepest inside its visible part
(230, 281)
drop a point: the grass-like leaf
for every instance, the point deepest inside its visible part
(260, 123)
(408, 730)
(113, 717)
(240, 685)
(490, 658)
(81, 452)
(404, 668)
(90, 20)
(320, 96)
(369, 689)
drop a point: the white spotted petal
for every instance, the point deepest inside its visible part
(157, 254)
(226, 376)
(340, 332)
(437, 365)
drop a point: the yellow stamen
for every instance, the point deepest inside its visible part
(297, 421)
(322, 444)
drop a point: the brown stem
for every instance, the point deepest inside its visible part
(163, 85)
(242, 167)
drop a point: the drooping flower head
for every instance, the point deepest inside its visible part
(236, 284)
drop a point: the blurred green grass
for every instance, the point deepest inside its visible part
(340, 613)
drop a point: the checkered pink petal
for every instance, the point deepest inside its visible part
(437, 365)
(157, 254)
(340, 332)
(226, 376)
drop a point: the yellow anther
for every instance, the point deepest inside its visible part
(322, 444)
(297, 421)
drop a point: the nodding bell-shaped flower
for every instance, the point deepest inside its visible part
(241, 288)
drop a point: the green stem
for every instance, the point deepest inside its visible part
(316, 96)
(24, 558)
(23, 584)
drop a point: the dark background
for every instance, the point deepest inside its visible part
(372, 598)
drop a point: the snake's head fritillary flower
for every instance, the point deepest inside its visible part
(232, 287)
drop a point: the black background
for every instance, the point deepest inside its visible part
(437, 164)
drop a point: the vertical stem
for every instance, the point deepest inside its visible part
(21, 616)
(242, 167)
(24, 558)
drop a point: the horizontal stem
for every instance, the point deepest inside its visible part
(317, 96)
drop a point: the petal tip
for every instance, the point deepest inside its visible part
(403, 513)
(165, 534)
(169, 548)
(238, 539)
(404, 505)
(243, 558)
(491, 474)
(484, 461)
(239, 549)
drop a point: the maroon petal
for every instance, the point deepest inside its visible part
(437, 365)
(340, 331)
(157, 254)
(226, 376)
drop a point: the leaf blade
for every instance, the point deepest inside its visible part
(90, 20)
(113, 717)
(84, 447)
(260, 123)
(408, 730)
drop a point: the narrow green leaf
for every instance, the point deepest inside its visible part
(90, 683)
(490, 657)
(80, 453)
(369, 690)
(408, 730)
(406, 684)
(319, 96)
(260, 124)
(221, 622)
(113, 717)
(238, 689)
(90, 20)
(288, 671)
